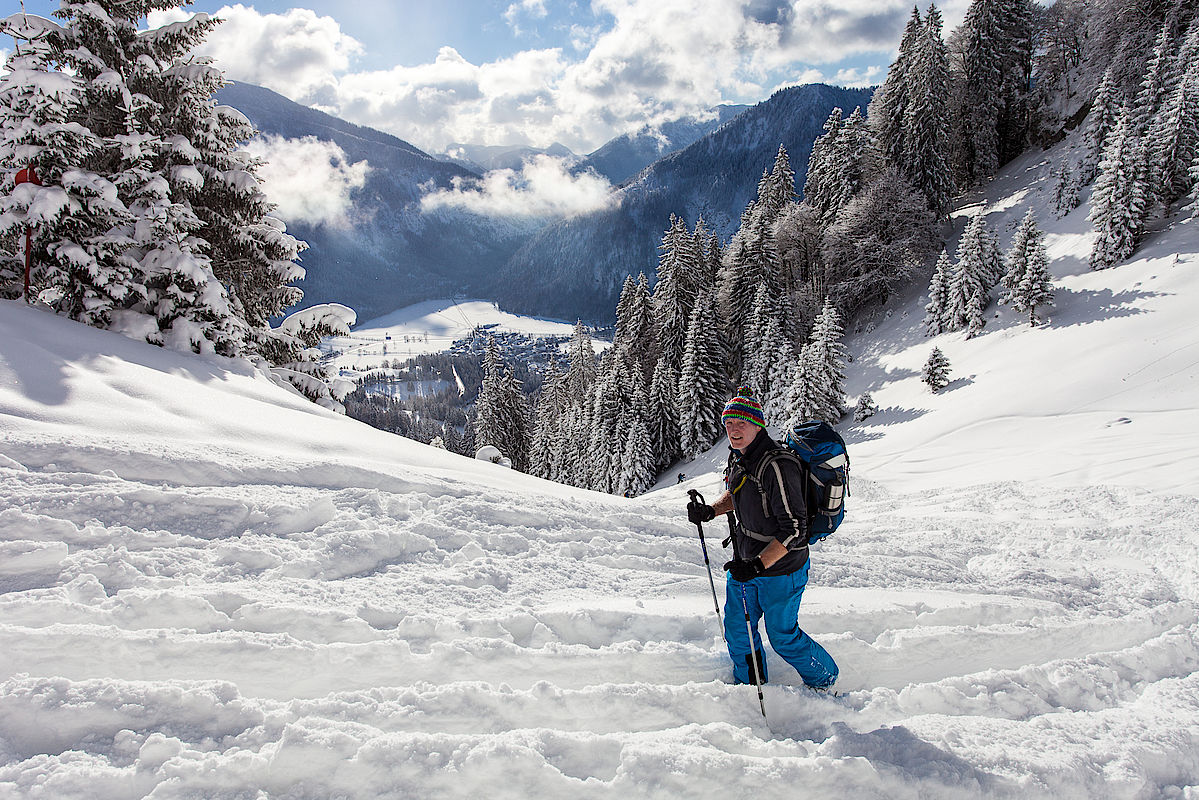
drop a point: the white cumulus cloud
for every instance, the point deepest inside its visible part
(543, 187)
(308, 179)
(638, 62)
(298, 54)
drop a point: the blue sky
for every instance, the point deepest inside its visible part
(537, 71)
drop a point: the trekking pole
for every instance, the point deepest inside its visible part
(753, 652)
(698, 498)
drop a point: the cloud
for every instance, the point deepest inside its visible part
(544, 187)
(308, 179)
(871, 76)
(298, 54)
(532, 8)
(623, 64)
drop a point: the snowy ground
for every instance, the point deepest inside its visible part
(210, 588)
(431, 327)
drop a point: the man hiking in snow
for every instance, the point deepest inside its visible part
(770, 546)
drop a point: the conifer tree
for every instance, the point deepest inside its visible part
(924, 157)
(543, 444)
(865, 408)
(1028, 282)
(754, 344)
(1119, 201)
(1174, 141)
(702, 385)
(489, 420)
(803, 397)
(993, 98)
(1101, 120)
(828, 358)
(775, 401)
(1065, 190)
(779, 188)
(165, 232)
(935, 373)
(638, 471)
(672, 305)
(937, 312)
(663, 422)
(582, 371)
(889, 106)
(979, 268)
(77, 223)
(1157, 83)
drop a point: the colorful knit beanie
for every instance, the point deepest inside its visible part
(744, 406)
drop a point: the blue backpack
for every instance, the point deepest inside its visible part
(820, 452)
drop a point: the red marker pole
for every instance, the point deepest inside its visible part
(28, 175)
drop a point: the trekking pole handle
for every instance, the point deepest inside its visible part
(696, 497)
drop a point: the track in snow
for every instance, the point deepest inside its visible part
(316, 640)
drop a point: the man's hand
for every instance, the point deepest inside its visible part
(744, 571)
(698, 513)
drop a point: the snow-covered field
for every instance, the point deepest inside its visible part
(210, 588)
(431, 327)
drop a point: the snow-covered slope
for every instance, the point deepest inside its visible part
(1106, 391)
(432, 327)
(211, 588)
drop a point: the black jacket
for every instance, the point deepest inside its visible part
(785, 518)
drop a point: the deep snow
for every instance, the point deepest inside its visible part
(211, 588)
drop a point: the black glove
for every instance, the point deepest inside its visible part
(697, 513)
(745, 570)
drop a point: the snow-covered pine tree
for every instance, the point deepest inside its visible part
(865, 408)
(820, 182)
(702, 384)
(1028, 281)
(77, 223)
(937, 312)
(1174, 141)
(750, 261)
(581, 374)
(779, 188)
(924, 157)
(980, 95)
(672, 305)
(638, 470)
(979, 268)
(543, 450)
(635, 457)
(783, 366)
(1101, 121)
(663, 422)
(249, 250)
(129, 77)
(995, 41)
(298, 359)
(1119, 201)
(755, 352)
(1157, 83)
(1065, 190)
(889, 106)
(489, 414)
(803, 402)
(828, 359)
(935, 373)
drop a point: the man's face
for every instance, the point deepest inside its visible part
(741, 433)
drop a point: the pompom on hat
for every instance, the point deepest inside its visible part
(744, 406)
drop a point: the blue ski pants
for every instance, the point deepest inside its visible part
(776, 600)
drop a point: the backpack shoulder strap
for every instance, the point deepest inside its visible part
(780, 453)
